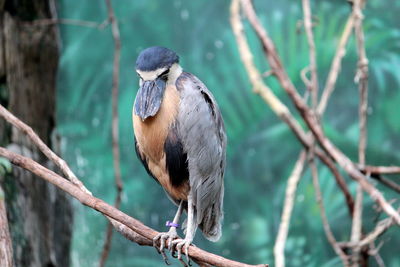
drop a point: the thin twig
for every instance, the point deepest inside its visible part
(291, 188)
(115, 127)
(336, 65)
(325, 223)
(362, 79)
(387, 182)
(380, 169)
(306, 81)
(108, 210)
(379, 229)
(43, 147)
(312, 52)
(357, 226)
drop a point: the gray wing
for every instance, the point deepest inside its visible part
(202, 132)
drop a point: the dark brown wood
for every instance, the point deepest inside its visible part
(6, 253)
(39, 216)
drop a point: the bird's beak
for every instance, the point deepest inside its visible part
(149, 97)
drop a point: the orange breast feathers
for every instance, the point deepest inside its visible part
(150, 136)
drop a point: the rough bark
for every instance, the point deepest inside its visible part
(39, 215)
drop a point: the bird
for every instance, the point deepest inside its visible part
(181, 141)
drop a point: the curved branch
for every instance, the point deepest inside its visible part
(328, 232)
(43, 147)
(110, 211)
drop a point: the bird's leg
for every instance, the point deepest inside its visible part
(170, 235)
(190, 230)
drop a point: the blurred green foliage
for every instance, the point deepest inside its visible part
(261, 151)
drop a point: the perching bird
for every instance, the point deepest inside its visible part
(180, 139)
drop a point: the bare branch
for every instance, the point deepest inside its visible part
(80, 192)
(291, 188)
(268, 96)
(325, 223)
(387, 182)
(357, 226)
(115, 127)
(379, 229)
(42, 146)
(109, 210)
(275, 104)
(311, 118)
(336, 64)
(379, 169)
(361, 79)
(306, 81)
(254, 75)
(312, 53)
(312, 122)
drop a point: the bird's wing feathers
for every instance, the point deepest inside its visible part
(202, 132)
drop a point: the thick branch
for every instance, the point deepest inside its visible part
(109, 210)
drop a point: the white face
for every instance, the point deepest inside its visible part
(150, 75)
(174, 71)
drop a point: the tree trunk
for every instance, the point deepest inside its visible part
(39, 215)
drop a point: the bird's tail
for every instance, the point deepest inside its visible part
(211, 225)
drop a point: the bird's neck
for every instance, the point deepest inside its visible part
(174, 72)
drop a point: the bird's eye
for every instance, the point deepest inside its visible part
(164, 75)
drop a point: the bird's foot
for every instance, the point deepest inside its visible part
(178, 245)
(162, 238)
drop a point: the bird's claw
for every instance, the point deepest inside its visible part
(162, 238)
(178, 244)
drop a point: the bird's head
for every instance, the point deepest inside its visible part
(156, 67)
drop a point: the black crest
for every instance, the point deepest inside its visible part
(156, 57)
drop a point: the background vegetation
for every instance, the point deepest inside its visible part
(261, 150)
